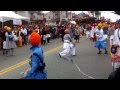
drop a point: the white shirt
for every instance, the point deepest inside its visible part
(99, 35)
(87, 32)
(24, 31)
(92, 32)
(116, 39)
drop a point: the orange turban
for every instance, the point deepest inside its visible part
(5, 27)
(8, 29)
(35, 39)
(66, 31)
(100, 25)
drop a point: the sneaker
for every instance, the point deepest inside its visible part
(59, 55)
(71, 61)
(74, 55)
(106, 52)
(99, 52)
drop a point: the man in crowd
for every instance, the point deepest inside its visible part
(116, 43)
(77, 33)
(62, 32)
(111, 31)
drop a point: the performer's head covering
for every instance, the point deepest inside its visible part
(100, 25)
(9, 29)
(35, 39)
(66, 31)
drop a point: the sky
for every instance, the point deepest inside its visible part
(77, 12)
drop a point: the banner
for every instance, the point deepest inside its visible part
(17, 22)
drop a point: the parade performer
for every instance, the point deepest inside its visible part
(37, 65)
(100, 43)
(10, 43)
(66, 53)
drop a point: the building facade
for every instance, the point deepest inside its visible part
(33, 15)
(63, 15)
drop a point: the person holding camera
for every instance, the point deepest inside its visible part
(116, 43)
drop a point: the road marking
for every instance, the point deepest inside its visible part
(3, 71)
(83, 72)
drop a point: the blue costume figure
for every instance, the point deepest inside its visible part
(37, 70)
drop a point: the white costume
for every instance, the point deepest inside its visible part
(99, 35)
(100, 43)
(68, 48)
(4, 45)
(10, 44)
(72, 48)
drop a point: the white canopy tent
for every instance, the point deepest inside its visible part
(10, 15)
(109, 15)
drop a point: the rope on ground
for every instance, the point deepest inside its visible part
(83, 72)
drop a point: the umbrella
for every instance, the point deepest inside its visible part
(73, 22)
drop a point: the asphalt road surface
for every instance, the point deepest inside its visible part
(86, 65)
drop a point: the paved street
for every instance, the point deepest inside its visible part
(86, 65)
